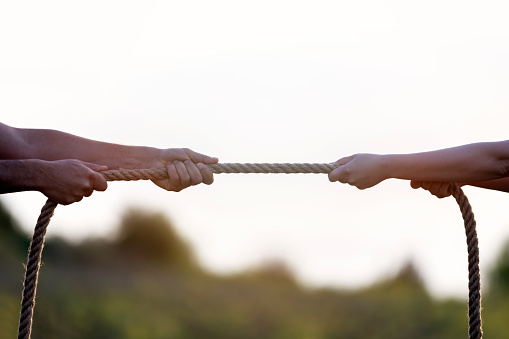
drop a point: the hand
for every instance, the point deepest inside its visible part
(359, 170)
(68, 181)
(438, 189)
(185, 168)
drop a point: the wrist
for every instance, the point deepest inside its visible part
(133, 157)
(38, 173)
(21, 175)
(386, 166)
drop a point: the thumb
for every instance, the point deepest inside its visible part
(344, 160)
(198, 157)
(95, 167)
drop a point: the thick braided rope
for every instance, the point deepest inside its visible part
(34, 257)
(32, 270)
(161, 173)
(474, 275)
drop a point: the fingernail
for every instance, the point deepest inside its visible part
(199, 165)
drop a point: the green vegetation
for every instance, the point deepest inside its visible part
(146, 283)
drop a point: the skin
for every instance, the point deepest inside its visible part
(65, 167)
(480, 164)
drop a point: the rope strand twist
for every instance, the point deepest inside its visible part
(37, 243)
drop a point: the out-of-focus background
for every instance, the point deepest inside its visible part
(267, 81)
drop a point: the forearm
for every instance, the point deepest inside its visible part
(19, 175)
(497, 184)
(79, 159)
(63, 181)
(55, 145)
(469, 163)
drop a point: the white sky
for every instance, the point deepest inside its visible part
(273, 81)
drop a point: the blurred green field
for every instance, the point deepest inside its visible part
(147, 284)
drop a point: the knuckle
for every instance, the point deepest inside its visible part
(86, 185)
(69, 200)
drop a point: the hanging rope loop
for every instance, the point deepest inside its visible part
(32, 270)
(474, 275)
(37, 244)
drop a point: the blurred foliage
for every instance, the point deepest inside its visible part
(151, 237)
(499, 279)
(145, 283)
(273, 272)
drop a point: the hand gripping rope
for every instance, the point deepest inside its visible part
(36, 246)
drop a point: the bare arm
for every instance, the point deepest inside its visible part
(473, 163)
(63, 181)
(467, 163)
(442, 189)
(55, 149)
(51, 145)
(497, 184)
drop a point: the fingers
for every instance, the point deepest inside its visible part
(94, 181)
(183, 174)
(193, 176)
(185, 168)
(415, 184)
(438, 189)
(100, 183)
(69, 181)
(174, 178)
(344, 161)
(184, 177)
(442, 190)
(97, 181)
(339, 174)
(95, 167)
(206, 173)
(426, 185)
(188, 173)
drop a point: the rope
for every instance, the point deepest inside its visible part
(161, 173)
(474, 275)
(32, 270)
(37, 244)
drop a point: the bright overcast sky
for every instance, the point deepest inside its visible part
(273, 81)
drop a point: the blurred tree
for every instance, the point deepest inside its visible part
(151, 237)
(409, 275)
(273, 271)
(499, 275)
(13, 249)
(406, 282)
(10, 231)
